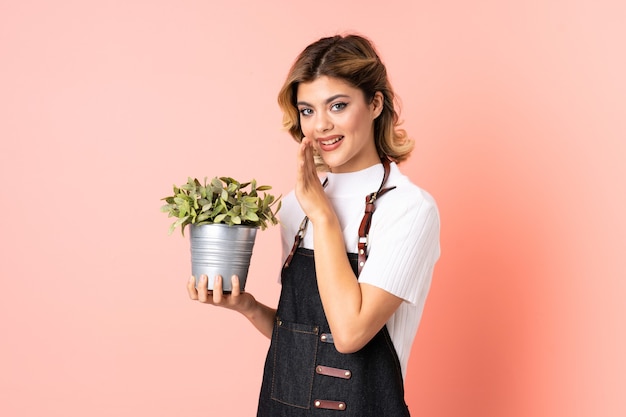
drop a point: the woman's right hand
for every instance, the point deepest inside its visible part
(260, 315)
(237, 300)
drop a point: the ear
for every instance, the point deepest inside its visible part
(377, 104)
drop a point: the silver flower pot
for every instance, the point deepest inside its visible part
(219, 249)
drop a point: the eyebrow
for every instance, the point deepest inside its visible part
(328, 100)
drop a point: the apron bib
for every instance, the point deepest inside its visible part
(304, 374)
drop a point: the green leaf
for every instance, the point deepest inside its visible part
(189, 186)
(232, 188)
(216, 184)
(229, 180)
(179, 222)
(184, 208)
(251, 216)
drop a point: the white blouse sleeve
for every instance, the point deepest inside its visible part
(403, 246)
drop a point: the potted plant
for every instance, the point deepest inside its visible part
(223, 217)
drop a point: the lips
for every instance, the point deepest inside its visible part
(330, 143)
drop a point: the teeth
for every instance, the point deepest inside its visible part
(330, 142)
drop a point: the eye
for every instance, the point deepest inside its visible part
(338, 106)
(305, 111)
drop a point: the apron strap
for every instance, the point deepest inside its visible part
(300, 235)
(366, 222)
(297, 241)
(364, 228)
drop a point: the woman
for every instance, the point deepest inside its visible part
(354, 283)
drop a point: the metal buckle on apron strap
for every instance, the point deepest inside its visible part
(330, 405)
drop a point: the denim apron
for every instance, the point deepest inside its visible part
(304, 374)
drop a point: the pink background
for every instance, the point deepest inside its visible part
(519, 112)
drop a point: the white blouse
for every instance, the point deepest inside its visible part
(403, 241)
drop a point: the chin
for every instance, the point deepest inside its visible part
(333, 165)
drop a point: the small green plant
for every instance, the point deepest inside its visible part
(223, 200)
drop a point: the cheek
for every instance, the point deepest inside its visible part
(306, 126)
(364, 124)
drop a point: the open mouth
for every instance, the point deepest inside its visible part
(331, 141)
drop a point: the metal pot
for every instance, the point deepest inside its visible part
(219, 249)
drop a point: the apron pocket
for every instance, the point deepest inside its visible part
(294, 363)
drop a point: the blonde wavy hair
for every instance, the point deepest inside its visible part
(353, 59)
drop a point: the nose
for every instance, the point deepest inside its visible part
(323, 122)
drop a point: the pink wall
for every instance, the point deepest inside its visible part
(519, 112)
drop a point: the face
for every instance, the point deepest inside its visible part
(340, 122)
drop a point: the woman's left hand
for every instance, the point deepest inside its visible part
(309, 191)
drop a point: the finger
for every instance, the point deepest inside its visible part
(306, 152)
(203, 294)
(311, 167)
(217, 290)
(301, 158)
(307, 173)
(191, 288)
(236, 287)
